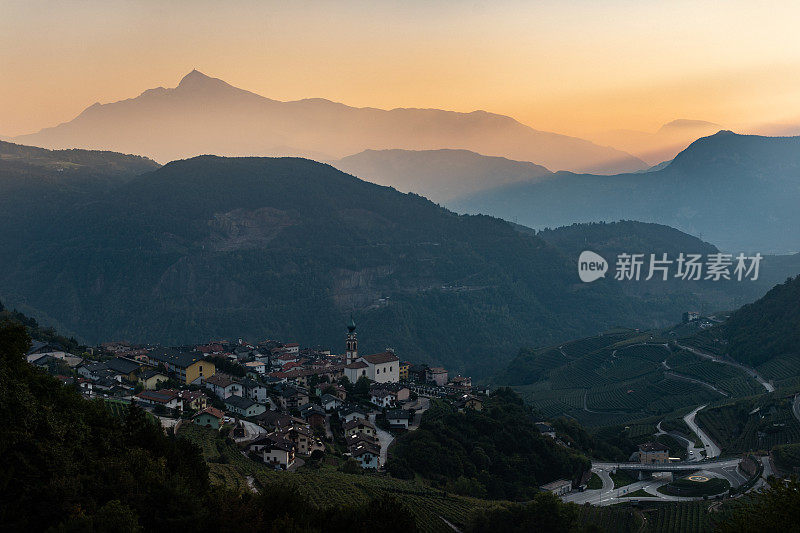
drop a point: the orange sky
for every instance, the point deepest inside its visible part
(575, 67)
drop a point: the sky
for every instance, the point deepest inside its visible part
(570, 66)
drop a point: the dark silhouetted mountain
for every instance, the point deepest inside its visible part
(439, 175)
(764, 333)
(37, 185)
(204, 115)
(287, 248)
(739, 192)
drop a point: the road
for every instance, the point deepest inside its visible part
(681, 377)
(750, 371)
(608, 495)
(712, 450)
(384, 437)
(796, 407)
(692, 453)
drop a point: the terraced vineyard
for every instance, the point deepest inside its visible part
(615, 519)
(755, 423)
(784, 370)
(117, 408)
(686, 517)
(327, 487)
(615, 379)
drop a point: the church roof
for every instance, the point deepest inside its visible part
(378, 358)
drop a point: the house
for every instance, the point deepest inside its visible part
(303, 439)
(383, 398)
(558, 487)
(277, 451)
(292, 398)
(193, 399)
(400, 391)
(91, 370)
(254, 390)
(257, 367)
(124, 367)
(187, 367)
(418, 373)
(437, 376)
(350, 413)
(399, 418)
(653, 452)
(292, 348)
(243, 406)
(359, 426)
(313, 414)
(461, 382)
(151, 378)
(223, 385)
(167, 398)
(468, 401)
(209, 417)
(545, 428)
(330, 402)
(368, 456)
(403, 368)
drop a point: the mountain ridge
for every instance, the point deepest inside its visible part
(720, 187)
(207, 115)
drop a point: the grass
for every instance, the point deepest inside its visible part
(641, 493)
(687, 487)
(595, 482)
(621, 478)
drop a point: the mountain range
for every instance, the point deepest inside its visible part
(738, 191)
(287, 248)
(439, 175)
(663, 144)
(205, 115)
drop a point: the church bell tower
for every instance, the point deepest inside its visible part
(352, 343)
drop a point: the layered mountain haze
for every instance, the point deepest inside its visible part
(739, 192)
(439, 175)
(662, 145)
(205, 115)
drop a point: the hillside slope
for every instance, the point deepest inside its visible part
(764, 334)
(205, 115)
(287, 248)
(737, 191)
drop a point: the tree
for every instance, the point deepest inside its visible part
(775, 509)
(361, 388)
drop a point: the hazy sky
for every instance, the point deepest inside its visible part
(568, 66)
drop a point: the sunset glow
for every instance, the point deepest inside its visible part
(577, 67)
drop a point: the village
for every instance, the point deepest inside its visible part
(283, 404)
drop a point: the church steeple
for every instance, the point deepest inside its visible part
(352, 343)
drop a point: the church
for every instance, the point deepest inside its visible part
(381, 367)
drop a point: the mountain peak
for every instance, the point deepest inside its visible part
(196, 80)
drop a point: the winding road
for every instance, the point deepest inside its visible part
(750, 371)
(712, 450)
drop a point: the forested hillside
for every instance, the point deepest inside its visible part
(287, 248)
(494, 453)
(764, 334)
